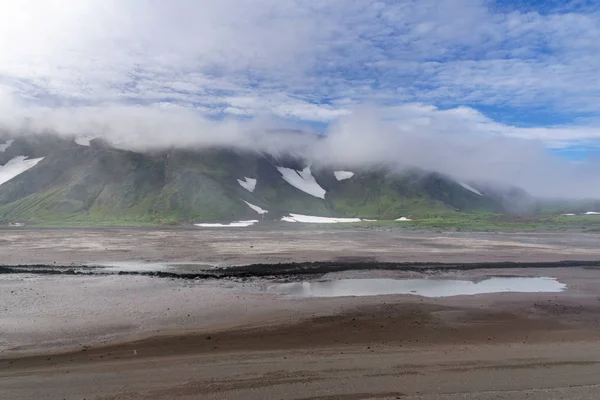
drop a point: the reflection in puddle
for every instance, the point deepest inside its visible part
(151, 267)
(133, 267)
(421, 287)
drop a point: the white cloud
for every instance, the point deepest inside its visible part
(292, 55)
(461, 143)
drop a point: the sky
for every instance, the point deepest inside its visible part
(465, 73)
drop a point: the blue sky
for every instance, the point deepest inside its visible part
(520, 69)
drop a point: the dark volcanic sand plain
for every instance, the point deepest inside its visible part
(235, 246)
(130, 337)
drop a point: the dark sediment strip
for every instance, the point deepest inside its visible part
(289, 270)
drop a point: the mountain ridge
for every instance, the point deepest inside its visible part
(97, 182)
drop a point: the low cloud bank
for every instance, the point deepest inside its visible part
(459, 142)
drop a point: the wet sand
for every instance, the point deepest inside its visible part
(233, 340)
(412, 352)
(137, 337)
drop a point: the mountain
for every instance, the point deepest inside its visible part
(51, 179)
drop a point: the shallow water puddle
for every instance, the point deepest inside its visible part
(421, 287)
(151, 267)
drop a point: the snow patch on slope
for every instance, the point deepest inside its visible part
(309, 219)
(16, 166)
(248, 183)
(84, 140)
(592, 213)
(238, 224)
(303, 180)
(6, 145)
(259, 210)
(342, 175)
(471, 188)
(403, 219)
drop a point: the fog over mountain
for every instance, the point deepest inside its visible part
(445, 141)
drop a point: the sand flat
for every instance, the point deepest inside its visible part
(233, 341)
(128, 337)
(277, 244)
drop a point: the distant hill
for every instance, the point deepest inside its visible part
(50, 179)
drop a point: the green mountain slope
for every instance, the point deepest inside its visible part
(98, 184)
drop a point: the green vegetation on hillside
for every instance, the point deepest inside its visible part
(462, 222)
(98, 185)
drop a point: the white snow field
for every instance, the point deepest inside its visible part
(5, 145)
(309, 219)
(403, 219)
(343, 175)
(471, 188)
(248, 183)
(592, 213)
(303, 180)
(238, 224)
(16, 166)
(256, 208)
(84, 140)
